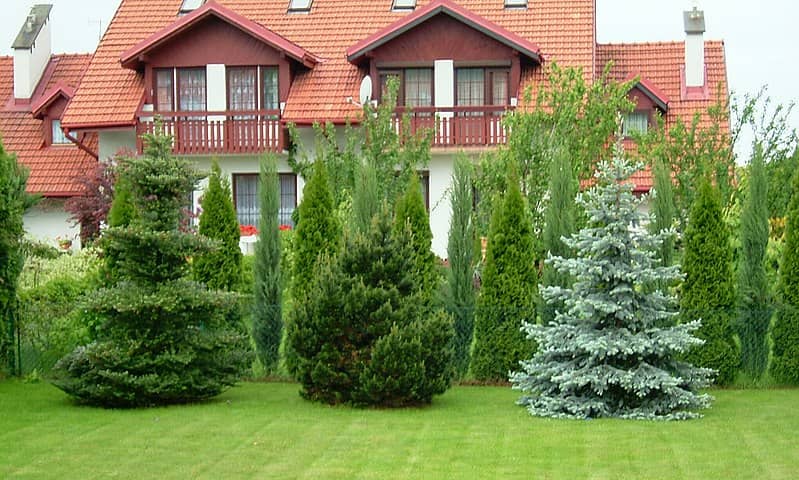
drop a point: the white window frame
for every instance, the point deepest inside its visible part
(403, 5)
(59, 137)
(300, 6)
(635, 122)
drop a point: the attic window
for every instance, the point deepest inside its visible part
(189, 6)
(300, 6)
(403, 5)
(513, 4)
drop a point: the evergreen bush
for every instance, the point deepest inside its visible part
(411, 213)
(607, 353)
(708, 292)
(163, 338)
(509, 291)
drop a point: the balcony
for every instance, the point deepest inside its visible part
(208, 133)
(458, 126)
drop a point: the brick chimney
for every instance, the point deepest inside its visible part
(694, 48)
(32, 49)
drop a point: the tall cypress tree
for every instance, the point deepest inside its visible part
(411, 213)
(664, 210)
(267, 317)
(460, 250)
(509, 291)
(785, 334)
(560, 222)
(754, 314)
(220, 268)
(602, 358)
(708, 292)
(365, 203)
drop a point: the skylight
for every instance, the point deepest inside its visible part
(300, 6)
(189, 6)
(515, 3)
(402, 5)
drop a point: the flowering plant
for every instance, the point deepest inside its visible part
(284, 227)
(247, 230)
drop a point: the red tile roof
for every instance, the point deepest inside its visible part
(54, 168)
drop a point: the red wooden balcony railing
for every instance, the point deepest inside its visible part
(197, 133)
(459, 126)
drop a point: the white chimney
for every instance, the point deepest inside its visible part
(694, 48)
(32, 49)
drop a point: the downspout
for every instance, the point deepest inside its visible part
(80, 144)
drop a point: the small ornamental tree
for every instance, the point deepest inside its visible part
(163, 338)
(267, 321)
(606, 354)
(708, 292)
(122, 210)
(364, 333)
(13, 203)
(785, 334)
(90, 209)
(754, 315)
(411, 213)
(220, 268)
(509, 291)
(460, 250)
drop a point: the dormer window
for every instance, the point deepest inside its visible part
(403, 5)
(300, 6)
(635, 122)
(189, 6)
(511, 4)
(59, 138)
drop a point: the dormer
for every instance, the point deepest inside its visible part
(49, 108)
(648, 101)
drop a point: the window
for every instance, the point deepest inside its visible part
(59, 138)
(403, 5)
(248, 211)
(164, 90)
(385, 78)
(189, 6)
(470, 86)
(498, 80)
(191, 89)
(270, 99)
(242, 88)
(418, 88)
(515, 3)
(300, 6)
(635, 122)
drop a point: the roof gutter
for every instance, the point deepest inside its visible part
(80, 144)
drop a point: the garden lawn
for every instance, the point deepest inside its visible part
(267, 431)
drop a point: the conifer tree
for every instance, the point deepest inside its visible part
(559, 222)
(163, 338)
(754, 314)
(411, 213)
(708, 292)
(460, 250)
(267, 317)
(509, 291)
(365, 202)
(220, 269)
(785, 334)
(664, 210)
(606, 354)
(122, 209)
(13, 203)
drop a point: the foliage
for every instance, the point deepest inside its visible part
(365, 198)
(664, 210)
(163, 339)
(461, 253)
(779, 172)
(509, 292)
(559, 223)
(13, 203)
(607, 353)
(412, 214)
(90, 210)
(220, 268)
(708, 292)
(267, 316)
(122, 211)
(785, 332)
(755, 309)
(363, 333)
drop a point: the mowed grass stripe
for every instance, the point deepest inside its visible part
(266, 430)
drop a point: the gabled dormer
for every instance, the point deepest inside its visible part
(49, 108)
(649, 101)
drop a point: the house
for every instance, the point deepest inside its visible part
(35, 88)
(228, 76)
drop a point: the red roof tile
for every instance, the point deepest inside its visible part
(54, 168)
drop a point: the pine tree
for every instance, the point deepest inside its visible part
(13, 203)
(785, 333)
(267, 318)
(411, 213)
(122, 210)
(664, 210)
(606, 354)
(755, 310)
(220, 269)
(163, 338)
(708, 292)
(460, 250)
(559, 223)
(509, 291)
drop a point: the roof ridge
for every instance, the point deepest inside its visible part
(654, 43)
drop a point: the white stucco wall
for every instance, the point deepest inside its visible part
(440, 170)
(29, 64)
(47, 221)
(112, 142)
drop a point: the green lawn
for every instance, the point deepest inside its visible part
(266, 431)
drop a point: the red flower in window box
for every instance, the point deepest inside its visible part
(247, 230)
(284, 227)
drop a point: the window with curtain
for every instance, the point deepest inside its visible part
(418, 88)
(191, 89)
(58, 135)
(164, 90)
(635, 122)
(247, 202)
(241, 89)
(271, 97)
(470, 88)
(499, 88)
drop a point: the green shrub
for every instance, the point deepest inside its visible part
(785, 332)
